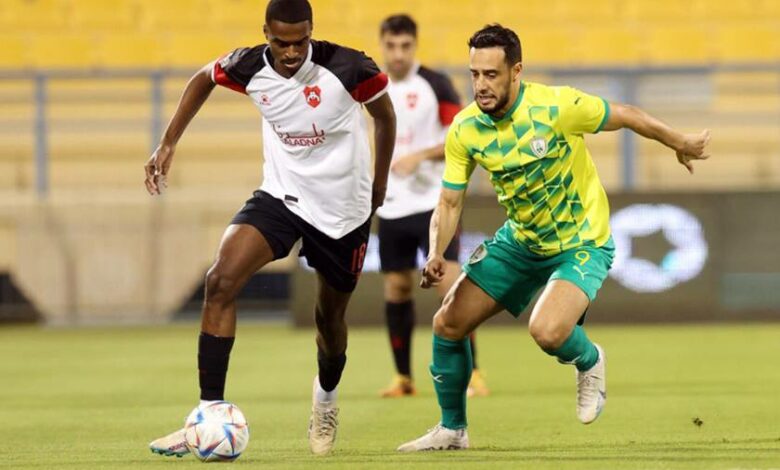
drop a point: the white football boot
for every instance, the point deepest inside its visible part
(322, 424)
(592, 390)
(170, 445)
(438, 438)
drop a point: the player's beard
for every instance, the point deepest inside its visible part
(501, 102)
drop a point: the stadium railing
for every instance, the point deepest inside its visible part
(82, 240)
(104, 115)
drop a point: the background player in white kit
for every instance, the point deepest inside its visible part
(317, 187)
(425, 103)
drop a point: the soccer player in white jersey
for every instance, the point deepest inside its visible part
(425, 103)
(317, 187)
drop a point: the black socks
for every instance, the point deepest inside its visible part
(330, 369)
(400, 323)
(213, 357)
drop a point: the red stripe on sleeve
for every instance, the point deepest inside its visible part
(221, 78)
(447, 112)
(369, 88)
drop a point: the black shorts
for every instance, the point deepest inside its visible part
(338, 261)
(399, 240)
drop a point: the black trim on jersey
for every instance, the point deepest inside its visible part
(243, 63)
(350, 66)
(441, 84)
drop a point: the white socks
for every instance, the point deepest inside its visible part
(320, 396)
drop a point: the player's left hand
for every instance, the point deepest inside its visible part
(694, 147)
(377, 197)
(406, 165)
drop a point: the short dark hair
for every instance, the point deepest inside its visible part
(398, 24)
(495, 35)
(288, 11)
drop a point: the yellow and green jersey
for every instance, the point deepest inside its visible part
(539, 166)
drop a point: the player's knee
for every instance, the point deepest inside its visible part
(548, 335)
(398, 289)
(398, 293)
(220, 286)
(445, 326)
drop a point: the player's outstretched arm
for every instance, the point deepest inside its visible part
(383, 113)
(688, 147)
(444, 224)
(195, 94)
(408, 164)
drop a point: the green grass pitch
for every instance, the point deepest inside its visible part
(94, 398)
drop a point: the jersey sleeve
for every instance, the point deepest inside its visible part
(369, 82)
(449, 102)
(458, 163)
(581, 113)
(357, 72)
(446, 97)
(235, 69)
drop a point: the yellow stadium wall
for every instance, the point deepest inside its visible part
(186, 33)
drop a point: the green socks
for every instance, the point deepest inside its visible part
(452, 365)
(451, 372)
(577, 350)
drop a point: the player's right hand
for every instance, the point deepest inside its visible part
(157, 169)
(433, 272)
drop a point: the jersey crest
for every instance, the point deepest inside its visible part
(539, 146)
(411, 100)
(313, 95)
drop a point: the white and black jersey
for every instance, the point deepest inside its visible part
(425, 104)
(315, 143)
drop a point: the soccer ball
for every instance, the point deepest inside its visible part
(217, 432)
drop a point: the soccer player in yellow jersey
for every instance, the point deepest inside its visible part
(530, 139)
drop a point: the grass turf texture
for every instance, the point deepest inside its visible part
(94, 398)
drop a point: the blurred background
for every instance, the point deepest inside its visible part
(87, 86)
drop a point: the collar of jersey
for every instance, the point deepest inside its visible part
(412, 72)
(304, 66)
(492, 120)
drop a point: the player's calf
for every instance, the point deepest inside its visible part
(219, 310)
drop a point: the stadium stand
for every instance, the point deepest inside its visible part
(100, 15)
(62, 50)
(636, 31)
(87, 116)
(174, 16)
(676, 45)
(130, 50)
(14, 52)
(27, 16)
